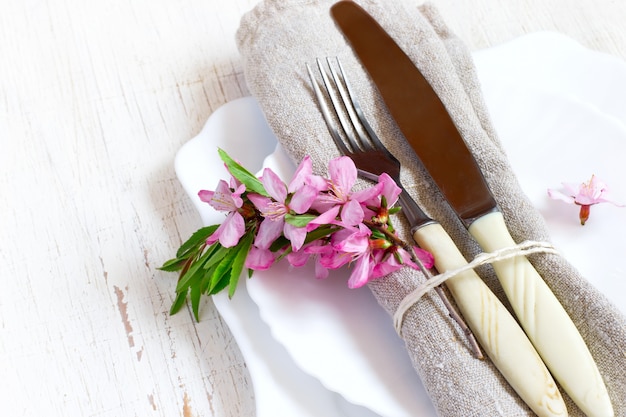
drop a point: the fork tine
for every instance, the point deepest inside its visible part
(360, 115)
(337, 106)
(344, 90)
(357, 131)
(326, 114)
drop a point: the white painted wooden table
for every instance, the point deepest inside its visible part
(95, 99)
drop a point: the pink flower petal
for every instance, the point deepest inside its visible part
(274, 186)
(296, 235)
(262, 203)
(370, 194)
(352, 213)
(259, 259)
(356, 243)
(334, 260)
(302, 199)
(385, 268)
(304, 170)
(360, 273)
(231, 230)
(298, 259)
(327, 217)
(320, 271)
(317, 247)
(268, 232)
(236, 195)
(343, 173)
(317, 182)
(572, 189)
(606, 198)
(205, 195)
(221, 199)
(391, 191)
(557, 195)
(427, 258)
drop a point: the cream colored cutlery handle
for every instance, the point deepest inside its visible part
(495, 328)
(546, 322)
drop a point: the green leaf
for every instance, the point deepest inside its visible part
(279, 243)
(222, 268)
(251, 182)
(238, 263)
(195, 294)
(173, 265)
(218, 252)
(178, 302)
(196, 239)
(299, 220)
(377, 234)
(219, 280)
(319, 233)
(193, 274)
(223, 283)
(206, 279)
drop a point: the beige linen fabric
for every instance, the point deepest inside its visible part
(276, 40)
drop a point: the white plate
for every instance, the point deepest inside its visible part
(281, 388)
(301, 337)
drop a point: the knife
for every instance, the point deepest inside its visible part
(429, 129)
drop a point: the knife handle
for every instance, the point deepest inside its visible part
(497, 331)
(545, 321)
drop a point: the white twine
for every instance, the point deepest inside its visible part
(525, 248)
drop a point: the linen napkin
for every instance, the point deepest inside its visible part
(276, 40)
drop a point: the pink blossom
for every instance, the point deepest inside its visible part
(296, 198)
(223, 199)
(339, 197)
(387, 189)
(392, 264)
(343, 175)
(319, 250)
(355, 248)
(585, 195)
(371, 258)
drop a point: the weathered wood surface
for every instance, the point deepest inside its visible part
(95, 100)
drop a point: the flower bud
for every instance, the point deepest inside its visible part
(584, 213)
(380, 244)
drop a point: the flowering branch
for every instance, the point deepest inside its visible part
(311, 217)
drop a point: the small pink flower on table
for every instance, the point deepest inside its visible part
(585, 195)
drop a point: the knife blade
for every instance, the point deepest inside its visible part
(426, 124)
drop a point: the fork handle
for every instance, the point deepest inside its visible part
(499, 334)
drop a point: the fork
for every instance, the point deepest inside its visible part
(372, 158)
(493, 325)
